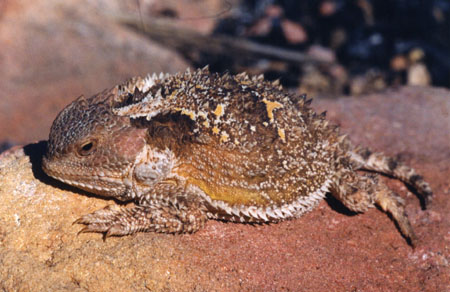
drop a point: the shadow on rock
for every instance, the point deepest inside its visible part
(35, 152)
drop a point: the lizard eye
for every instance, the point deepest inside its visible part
(87, 148)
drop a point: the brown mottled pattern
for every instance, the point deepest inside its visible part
(249, 112)
(196, 145)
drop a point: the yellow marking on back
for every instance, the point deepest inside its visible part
(219, 110)
(271, 106)
(282, 134)
(215, 130)
(188, 113)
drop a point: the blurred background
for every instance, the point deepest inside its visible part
(53, 51)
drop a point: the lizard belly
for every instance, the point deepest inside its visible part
(237, 203)
(243, 205)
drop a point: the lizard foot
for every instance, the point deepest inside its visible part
(113, 221)
(124, 221)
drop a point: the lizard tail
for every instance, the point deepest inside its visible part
(365, 159)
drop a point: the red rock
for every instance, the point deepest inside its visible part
(328, 249)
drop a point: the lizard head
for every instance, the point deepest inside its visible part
(93, 149)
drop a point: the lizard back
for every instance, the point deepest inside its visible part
(242, 141)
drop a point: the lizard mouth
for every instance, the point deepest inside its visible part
(83, 185)
(95, 183)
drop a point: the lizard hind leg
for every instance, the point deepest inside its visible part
(360, 192)
(365, 159)
(124, 221)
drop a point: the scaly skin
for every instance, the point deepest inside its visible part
(196, 146)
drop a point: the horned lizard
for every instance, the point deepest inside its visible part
(195, 146)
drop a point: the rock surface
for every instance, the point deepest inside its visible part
(328, 249)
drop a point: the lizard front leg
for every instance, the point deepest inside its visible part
(174, 212)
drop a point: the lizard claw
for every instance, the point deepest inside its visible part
(83, 230)
(115, 230)
(105, 236)
(78, 221)
(106, 221)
